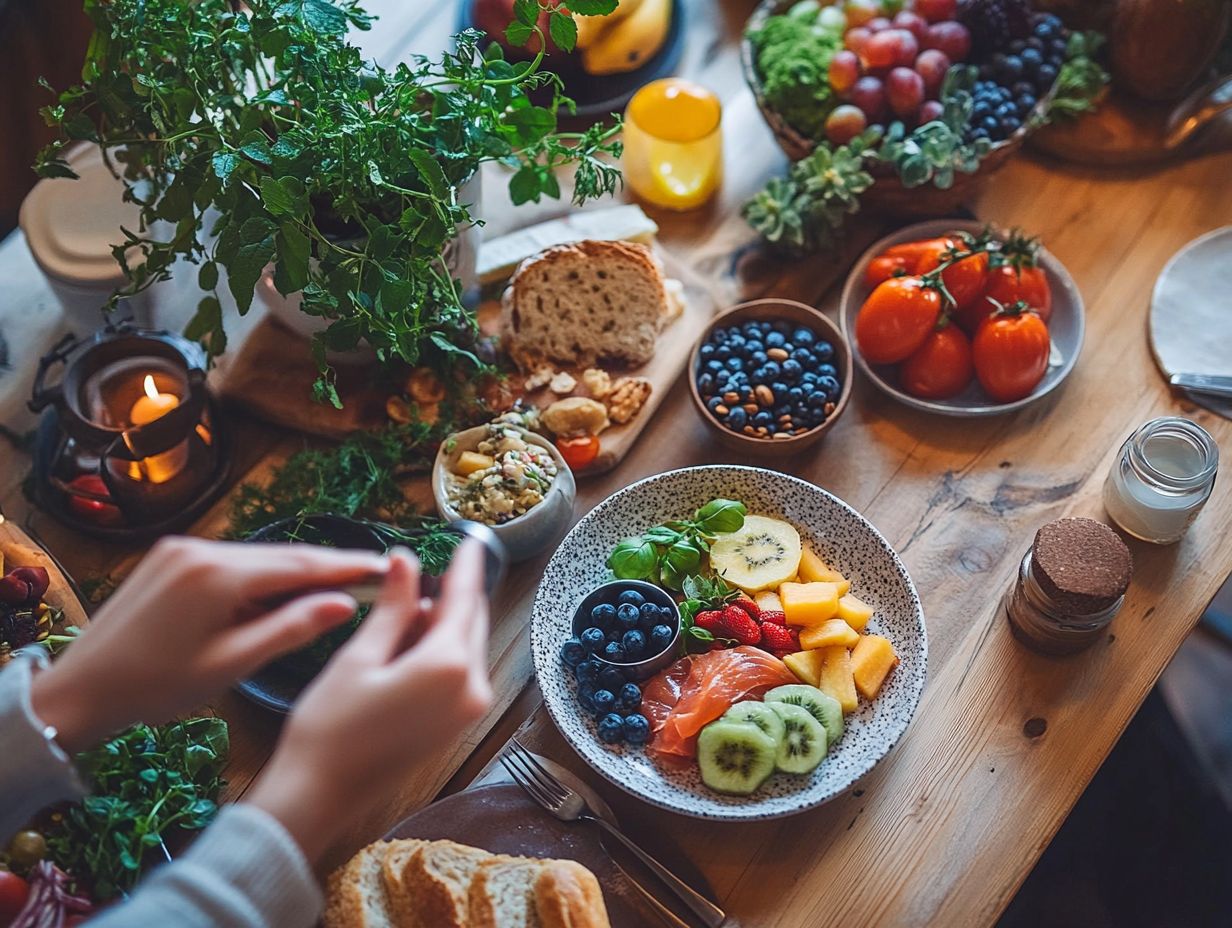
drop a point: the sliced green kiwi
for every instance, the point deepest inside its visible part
(804, 743)
(759, 714)
(822, 706)
(735, 757)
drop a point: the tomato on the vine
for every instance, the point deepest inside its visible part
(939, 368)
(964, 279)
(1010, 351)
(896, 318)
(1008, 284)
(14, 891)
(883, 267)
(913, 251)
(579, 451)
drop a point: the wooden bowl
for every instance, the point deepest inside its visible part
(887, 193)
(773, 309)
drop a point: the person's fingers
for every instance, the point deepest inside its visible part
(465, 571)
(459, 615)
(263, 572)
(396, 612)
(286, 629)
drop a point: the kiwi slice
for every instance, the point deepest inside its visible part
(821, 706)
(735, 757)
(804, 743)
(759, 714)
(759, 555)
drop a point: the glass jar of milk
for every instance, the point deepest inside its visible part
(1161, 479)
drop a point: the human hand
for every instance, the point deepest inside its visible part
(412, 678)
(193, 617)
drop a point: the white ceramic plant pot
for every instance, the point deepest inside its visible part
(461, 256)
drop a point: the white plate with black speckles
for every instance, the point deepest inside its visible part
(837, 532)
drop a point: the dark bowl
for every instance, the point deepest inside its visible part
(772, 310)
(607, 592)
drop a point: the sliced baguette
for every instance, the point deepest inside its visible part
(355, 895)
(502, 893)
(437, 877)
(586, 302)
(402, 908)
(567, 895)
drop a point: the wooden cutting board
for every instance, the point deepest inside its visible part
(271, 375)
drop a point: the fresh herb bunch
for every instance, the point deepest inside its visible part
(342, 174)
(148, 784)
(668, 553)
(701, 593)
(793, 59)
(1081, 80)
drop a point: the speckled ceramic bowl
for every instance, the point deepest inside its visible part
(837, 532)
(541, 525)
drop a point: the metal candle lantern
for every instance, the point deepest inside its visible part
(130, 443)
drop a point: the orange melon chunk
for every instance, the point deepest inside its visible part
(836, 679)
(806, 665)
(828, 634)
(809, 603)
(871, 660)
(854, 612)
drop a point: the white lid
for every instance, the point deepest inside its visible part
(71, 225)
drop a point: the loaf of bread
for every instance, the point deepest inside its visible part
(586, 302)
(442, 884)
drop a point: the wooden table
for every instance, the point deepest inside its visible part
(1004, 742)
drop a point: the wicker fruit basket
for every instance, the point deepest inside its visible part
(887, 194)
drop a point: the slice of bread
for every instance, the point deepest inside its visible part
(586, 302)
(502, 893)
(355, 894)
(402, 908)
(567, 895)
(437, 878)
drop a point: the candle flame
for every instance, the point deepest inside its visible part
(150, 389)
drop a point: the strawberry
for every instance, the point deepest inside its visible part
(708, 619)
(748, 606)
(736, 623)
(779, 638)
(773, 617)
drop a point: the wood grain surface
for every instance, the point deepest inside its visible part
(947, 826)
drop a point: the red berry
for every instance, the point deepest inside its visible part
(779, 638)
(877, 24)
(738, 624)
(773, 617)
(951, 38)
(844, 70)
(708, 619)
(748, 606)
(937, 10)
(856, 39)
(869, 95)
(932, 109)
(914, 23)
(845, 123)
(905, 91)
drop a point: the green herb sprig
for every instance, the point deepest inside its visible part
(668, 553)
(701, 593)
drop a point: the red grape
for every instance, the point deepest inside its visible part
(930, 65)
(889, 48)
(869, 95)
(856, 39)
(844, 70)
(845, 123)
(877, 24)
(932, 109)
(951, 38)
(914, 23)
(937, 10)
(860, 12)
(905, 91)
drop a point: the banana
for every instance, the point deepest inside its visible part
(631, 42)
(591, 28)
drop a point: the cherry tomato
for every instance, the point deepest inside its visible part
(580, 451)
(1010, 351)
(92, 510)
(963, 279)
(1007, 285)
(14, 891)
(941, 367)
(883, 267)
(913, 251)
(896, 318)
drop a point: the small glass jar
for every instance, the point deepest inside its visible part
(673, 144)
(1161, 479)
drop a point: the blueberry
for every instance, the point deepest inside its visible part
(776, 340)
(795, 394)
(823, 352)
(587, 672)
(573, 652)
(979, 132)
(1045, 77)
(586, 696)
(632, 597)
(705, 384)
(660, 638)
(1005, 109)
(603, 614)
(737, 419)
(604, 701)
(783, 409)
(1026, 103)
(733, 364)
(830, 385)
(626, 615)
(826, 370)
(634, 643)
(762, 420)
(772, 370)
(803, 337)
(610, 678)
(748, 330)
(788, 347)
(592, 639)
(803, 357)
(792, 370)
(714, 366)
(718, 337)
(721, 377)
(723, 352)
(754, 345)
(706, 352)
(736, 342)
(758, 357)
(714, 403)
(1031, 59)
(613, 652)
(611, 729)
(817, 400)
(1010, 124)
(628, 698)
(636, 728)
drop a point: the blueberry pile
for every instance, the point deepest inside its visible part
(768, 379)
(1014, 78)
(627, 630)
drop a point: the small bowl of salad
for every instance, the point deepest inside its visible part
(508, 478)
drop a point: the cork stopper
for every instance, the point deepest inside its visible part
(1081, 565)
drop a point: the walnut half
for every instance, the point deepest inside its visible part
(628, 396)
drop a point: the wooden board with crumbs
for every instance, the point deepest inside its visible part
(271, 377)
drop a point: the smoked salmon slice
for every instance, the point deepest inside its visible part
(697, 689)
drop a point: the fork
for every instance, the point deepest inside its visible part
(569, 806)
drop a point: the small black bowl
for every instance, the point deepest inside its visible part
(607, 593)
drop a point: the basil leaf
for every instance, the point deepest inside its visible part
(721, 515)
(662, 535)
(681, 558)
(633, 559)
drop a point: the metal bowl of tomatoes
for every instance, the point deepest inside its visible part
(953, 317)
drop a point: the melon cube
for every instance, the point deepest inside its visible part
(836, 679)
(828, 634)
(768, 601)
(471, 461)
(813, 568)
(809, 603)
(844, 586)
(854, 612)
(806, 665)
(872, 658)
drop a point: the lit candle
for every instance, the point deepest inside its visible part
(153, 405)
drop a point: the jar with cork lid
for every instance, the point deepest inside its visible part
(1070, 585)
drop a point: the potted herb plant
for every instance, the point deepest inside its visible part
(261, 138)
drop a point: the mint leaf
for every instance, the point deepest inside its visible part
(563, 30)
(255, 251)
(526, 12)
(518, 33)
(207, 277)
(532, 123)
(224, 164)
(430, 172)
(294, 252)
(524, 186)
